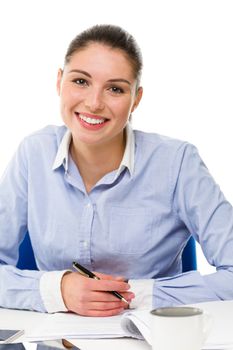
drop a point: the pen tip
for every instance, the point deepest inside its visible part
(123, 299)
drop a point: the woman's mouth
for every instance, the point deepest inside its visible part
(91, 122)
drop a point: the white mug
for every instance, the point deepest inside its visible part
(179, 328)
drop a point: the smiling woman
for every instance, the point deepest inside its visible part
(96, 102)
(121, 202)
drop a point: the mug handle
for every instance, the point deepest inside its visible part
(208, 323)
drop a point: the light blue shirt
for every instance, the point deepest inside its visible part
(135, 222)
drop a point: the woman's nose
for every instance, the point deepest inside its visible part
(94, 101)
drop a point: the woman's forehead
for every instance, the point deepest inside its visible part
(98, 57)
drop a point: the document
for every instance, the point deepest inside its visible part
(67, 325)
(132, 323)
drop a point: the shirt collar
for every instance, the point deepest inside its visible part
(62, 155)
(128, 157)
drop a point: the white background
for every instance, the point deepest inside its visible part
(188, 70)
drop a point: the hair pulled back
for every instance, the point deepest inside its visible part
(113, 36)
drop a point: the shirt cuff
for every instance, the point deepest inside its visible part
(50, 290)
(143, 290)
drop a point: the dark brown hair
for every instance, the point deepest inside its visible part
(112, 36)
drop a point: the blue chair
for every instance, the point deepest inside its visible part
(26, 256)
(27, 260)
(189, 259)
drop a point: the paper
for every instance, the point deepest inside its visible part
(72, 326)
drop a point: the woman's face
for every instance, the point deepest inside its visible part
(97, 91)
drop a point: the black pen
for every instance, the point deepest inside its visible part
(87, 273)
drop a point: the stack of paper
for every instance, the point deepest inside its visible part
(63, 325)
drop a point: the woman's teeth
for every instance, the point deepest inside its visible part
(91, 120)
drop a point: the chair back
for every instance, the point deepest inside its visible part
(189, 259)
(26, 256)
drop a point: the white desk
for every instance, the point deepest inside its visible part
(113, 344)
(17, 319)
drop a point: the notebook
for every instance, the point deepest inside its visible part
(68, 325)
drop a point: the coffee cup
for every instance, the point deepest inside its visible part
(179, 328)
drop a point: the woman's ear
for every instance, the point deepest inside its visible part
(59, 78)
(137, 98)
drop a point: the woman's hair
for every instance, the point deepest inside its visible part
(112, 36)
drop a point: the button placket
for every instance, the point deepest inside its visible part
(85, 228)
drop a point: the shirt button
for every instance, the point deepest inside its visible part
(88, 205)
(85, 244)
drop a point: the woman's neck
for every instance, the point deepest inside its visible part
(95, 161)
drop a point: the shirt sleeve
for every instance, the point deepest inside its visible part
(199, 203)
(143, 290)
(19, 289)
(50, 289)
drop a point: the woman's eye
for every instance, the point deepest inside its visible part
(116, 90)
(80, 81)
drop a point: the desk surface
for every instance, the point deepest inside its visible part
(113, 344)
(17, 319)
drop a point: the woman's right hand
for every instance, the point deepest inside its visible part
(88, 297)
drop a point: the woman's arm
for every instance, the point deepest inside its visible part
(199, 203)
(18, 289)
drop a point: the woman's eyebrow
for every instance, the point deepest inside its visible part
(80, 71)
(119, 80)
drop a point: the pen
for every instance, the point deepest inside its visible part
(87, 273)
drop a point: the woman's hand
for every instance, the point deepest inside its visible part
(86, 296)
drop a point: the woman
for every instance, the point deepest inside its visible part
(122, 203)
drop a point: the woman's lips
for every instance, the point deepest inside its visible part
(91, 122)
